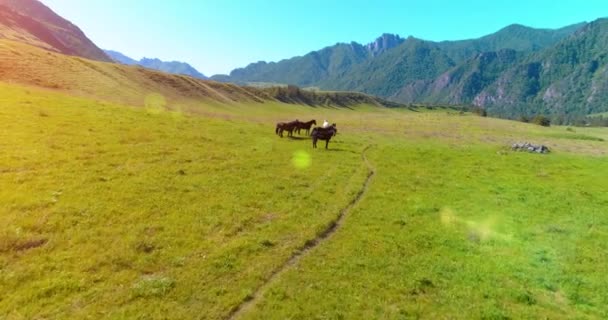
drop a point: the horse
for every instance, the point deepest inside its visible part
(306, 126)
(323, 134)
(286, 126)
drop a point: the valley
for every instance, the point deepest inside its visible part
(132, 193)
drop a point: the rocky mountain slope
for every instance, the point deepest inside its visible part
(32, 22)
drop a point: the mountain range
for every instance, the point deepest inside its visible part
(516, 71)
(175, 67)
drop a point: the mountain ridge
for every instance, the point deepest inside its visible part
(175, 67)
(414, 70)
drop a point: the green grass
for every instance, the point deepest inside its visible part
(460, 232)
(121, 196)
(576, 136)
(110, 211)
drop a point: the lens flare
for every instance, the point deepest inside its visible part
(447, 216)
(301, 159)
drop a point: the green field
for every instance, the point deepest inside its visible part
(118, 212)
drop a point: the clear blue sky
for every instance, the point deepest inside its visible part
(216, 36)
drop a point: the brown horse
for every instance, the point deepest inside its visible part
(286, 126)
(306, 126)
(323, 134)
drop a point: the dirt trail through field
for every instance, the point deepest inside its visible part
(331, 228)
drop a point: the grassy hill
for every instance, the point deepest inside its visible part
(112, 211)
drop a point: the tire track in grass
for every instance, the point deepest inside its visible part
(251, 300)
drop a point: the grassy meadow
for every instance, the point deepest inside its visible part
(183, 212)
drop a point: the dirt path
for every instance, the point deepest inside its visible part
(331, 228)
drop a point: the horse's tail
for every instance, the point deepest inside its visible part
(276, 130)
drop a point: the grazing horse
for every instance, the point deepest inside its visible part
(286, 126)
(306, 126)
(323, 134)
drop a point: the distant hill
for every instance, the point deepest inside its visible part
(120, 58)
(31, 22)
(175, 67)
(515, 71)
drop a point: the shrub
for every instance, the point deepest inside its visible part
(480, 111)
(523, 118)
(541, 121)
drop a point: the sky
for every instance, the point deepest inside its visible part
(217, 36)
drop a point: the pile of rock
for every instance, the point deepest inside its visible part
(526, 146)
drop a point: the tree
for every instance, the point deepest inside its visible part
(480, 111)
(541, 121)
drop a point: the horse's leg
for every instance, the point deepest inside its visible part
(314, 142)
(326, 143)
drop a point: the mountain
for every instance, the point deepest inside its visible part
(515, 37)
(302, 71)
(171, 67)
(175, 67)
(32, 22)
(568, 78)
(120, 58)
(412, 60)
(418, 71)
(462, 83)
(314, 67)
(383, 43)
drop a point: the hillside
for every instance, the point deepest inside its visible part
(462, 83)
(145, 213)
(28, 65)
(569, 78)
(515, 37)
(314, 67)
(302, 71)
(412, 60)
(31, 22)
(175, 67)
